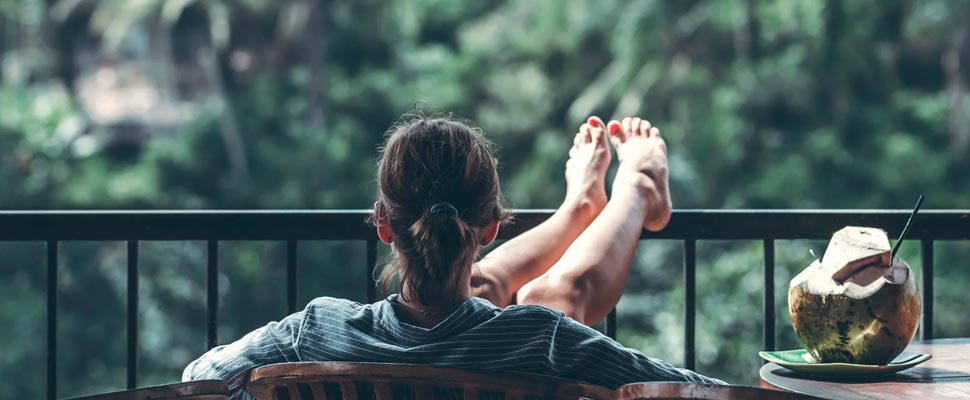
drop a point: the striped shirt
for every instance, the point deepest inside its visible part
(478, 335)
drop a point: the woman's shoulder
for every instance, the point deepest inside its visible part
(332, 313)
(533, 311)
(564, 324)
(337, 307)
(327, 301)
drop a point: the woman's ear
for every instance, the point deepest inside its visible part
(490, 232)
(384, 231)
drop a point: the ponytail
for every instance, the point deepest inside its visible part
(443, 242)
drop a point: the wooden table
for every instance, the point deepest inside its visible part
(945, 376)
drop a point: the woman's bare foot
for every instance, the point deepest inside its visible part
(643, 165)
(586, 168)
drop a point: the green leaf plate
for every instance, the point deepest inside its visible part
(800, 361)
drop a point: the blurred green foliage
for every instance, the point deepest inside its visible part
(282, 104)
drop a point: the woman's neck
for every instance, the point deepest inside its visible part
(414, 312)
(428, 312)
(441, 303)
(445, 299)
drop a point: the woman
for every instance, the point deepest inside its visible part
(527, 306)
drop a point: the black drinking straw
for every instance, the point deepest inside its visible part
(892, 256)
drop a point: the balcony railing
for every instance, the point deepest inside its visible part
(293, 227)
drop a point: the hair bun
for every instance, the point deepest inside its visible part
(444, 207)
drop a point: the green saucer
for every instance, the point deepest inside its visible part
(800, 361)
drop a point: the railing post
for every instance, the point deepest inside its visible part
(690, 296)
(132, 365)
(926, 251)
(371, 270)
(611, 324)
(291, 275)
(212, 294)
(769, 295)
(52, 320)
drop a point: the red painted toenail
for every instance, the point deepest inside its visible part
(614, 128)
(593, 123)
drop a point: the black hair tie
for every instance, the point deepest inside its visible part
(444, 207)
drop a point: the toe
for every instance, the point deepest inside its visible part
(616, 135)
(654, 132)
(597, 130)
(627, 126)
(615, 130)
(577, 139)
(585, 135)
(598, 136)
(645, 127)
(635, 126)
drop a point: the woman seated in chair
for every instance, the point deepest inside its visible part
(528, 305)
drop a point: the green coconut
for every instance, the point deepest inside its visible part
(857, 307)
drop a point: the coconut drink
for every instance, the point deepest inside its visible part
(855, 305)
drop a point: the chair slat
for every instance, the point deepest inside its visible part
(348, 389)
(319, 392)
(382, 390)
(423, 391)
(515, 395)
(471, 393)
(294, 391)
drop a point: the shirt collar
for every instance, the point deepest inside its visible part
(471, 313)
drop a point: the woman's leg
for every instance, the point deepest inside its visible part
(587, 282)
(499, 275)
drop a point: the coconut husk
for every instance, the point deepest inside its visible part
(854, 249)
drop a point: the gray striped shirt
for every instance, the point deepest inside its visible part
(478, 335)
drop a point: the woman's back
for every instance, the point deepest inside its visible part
(477, 335)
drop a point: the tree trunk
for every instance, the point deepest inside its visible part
(834, 97)
(315, 42)
(748, 37)
(959, 129)
(231, 140)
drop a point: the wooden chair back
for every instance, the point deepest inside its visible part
(198, 390)
(697, 391)
(353, 381)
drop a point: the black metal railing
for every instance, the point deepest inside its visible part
(293, 227)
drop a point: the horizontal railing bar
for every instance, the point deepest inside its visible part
(813, 224)
(186, 225)
(351, 224)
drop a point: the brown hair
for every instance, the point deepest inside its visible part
(438, 188)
